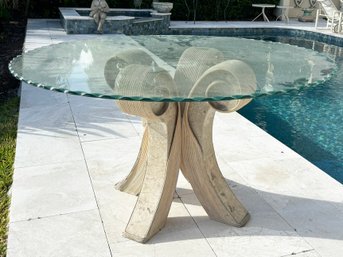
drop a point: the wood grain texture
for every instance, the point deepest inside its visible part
(163, 161)
(199, 166)
(133, 183)
(179, 136)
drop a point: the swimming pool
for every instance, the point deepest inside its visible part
(310, 121)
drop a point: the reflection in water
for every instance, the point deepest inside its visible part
(80, 69)
(86, 57)
(269, 74)
(311, 64)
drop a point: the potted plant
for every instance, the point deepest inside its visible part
(162, 6)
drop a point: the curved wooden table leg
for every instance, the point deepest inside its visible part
(199, 164)
(163, 160)
(133, 183)
(200, 167)
(170, 141)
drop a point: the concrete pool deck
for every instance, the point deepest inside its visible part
(71, 150)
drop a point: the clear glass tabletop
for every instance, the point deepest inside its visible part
(172, 68)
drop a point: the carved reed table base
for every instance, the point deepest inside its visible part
(177, 136)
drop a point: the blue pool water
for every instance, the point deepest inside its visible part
(308, 121)
(311, 121)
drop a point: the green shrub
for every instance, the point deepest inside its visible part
(8, 132)
(5, 6)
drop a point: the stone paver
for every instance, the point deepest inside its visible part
(71, 150)
(47, 190)
(76, 234)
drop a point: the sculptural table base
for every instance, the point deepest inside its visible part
(176, 136)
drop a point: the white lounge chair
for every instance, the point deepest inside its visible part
(328, 10)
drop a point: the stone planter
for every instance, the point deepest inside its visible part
(162, 7)
(307, 16)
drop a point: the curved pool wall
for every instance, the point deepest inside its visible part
(260, 31)
(310, 121)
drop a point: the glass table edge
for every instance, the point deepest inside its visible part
(166, 99)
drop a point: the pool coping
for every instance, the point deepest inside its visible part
(260, 31)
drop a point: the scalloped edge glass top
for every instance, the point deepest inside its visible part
(172, 68)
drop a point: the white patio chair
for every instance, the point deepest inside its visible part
(328, 10)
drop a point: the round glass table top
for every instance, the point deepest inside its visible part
(172, 68)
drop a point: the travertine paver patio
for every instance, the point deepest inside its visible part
(71, 150)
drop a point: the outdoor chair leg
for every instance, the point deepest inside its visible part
(317, 17)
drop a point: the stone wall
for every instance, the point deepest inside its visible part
(127, 21)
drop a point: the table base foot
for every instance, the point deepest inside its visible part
(199, 166)
(159, 161)
(171, 143)
(133, 183)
